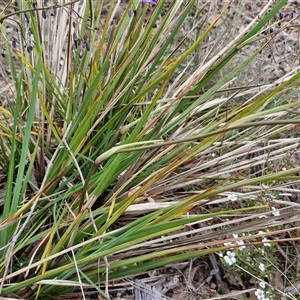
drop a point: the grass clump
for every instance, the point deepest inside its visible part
(118, 135)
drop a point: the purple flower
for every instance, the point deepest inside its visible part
(29, 49)
(148, 1)
(293, 14)
(26, 18)
(14, 43)
(131, 12)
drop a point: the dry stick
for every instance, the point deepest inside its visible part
(222, 286)
(143, 291)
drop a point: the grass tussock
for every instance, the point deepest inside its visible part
(141, 137)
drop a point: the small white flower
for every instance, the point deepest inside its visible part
(259, 294)
(232, 197)
(262, 284)
(275, 212)
(238, 242)
(241, 244)
(228, 244)
(220, 254)
(262, 267)
(283, 169)
(230, 258)
(265, 241)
